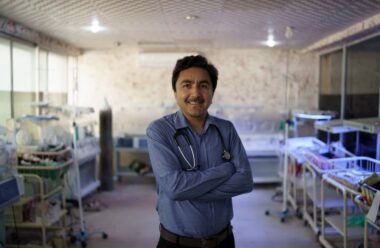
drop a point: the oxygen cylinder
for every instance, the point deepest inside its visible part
(106, 147)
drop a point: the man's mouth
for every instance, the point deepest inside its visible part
(195, 101)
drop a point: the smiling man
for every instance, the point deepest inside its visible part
(198, 161)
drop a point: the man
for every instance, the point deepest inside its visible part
(198, 161)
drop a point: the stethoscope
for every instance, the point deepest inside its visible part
(226, 156)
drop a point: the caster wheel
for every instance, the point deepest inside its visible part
(282, 220)
(298, 213)
(317, 235)
(83, 244)
(104, 235)
(267, 213)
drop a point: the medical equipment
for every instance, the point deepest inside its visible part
(193, 167)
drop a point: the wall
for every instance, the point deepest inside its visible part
(248, 79)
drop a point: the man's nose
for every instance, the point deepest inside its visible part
(195, 90)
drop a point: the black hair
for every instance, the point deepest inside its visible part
(195, 61)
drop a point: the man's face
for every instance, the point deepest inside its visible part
(194, 92)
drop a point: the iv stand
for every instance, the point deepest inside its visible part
(83, 235)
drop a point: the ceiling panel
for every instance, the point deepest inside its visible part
(217, 23)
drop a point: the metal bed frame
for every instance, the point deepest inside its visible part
(338, 223)
(315, 166)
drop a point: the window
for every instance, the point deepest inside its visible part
(5, 81)
(57, 79)
(24, 87)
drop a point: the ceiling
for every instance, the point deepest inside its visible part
(162, 24)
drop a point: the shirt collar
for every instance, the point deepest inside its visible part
(181, 122)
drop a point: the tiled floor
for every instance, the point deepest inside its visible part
(131, 221)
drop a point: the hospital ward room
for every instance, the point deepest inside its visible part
(189, 124)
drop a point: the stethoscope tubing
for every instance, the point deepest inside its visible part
(226, 155)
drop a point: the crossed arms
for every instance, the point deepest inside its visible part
(223, 181)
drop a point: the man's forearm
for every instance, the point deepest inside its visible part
(183, 185)
(239, 183)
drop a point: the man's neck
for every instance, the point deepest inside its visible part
(197, 124)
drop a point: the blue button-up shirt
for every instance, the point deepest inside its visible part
(197, 203)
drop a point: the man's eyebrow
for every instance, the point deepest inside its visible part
(204, 81)
(186, 81)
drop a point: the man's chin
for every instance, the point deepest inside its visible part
(197, 115)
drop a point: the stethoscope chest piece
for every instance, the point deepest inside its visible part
(226, 155)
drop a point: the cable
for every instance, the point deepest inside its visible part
(14, 220)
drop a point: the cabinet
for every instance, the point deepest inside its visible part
(86, 151)
(38, 218)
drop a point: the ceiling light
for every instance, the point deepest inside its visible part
(191, 17)
(95, 27)
(270, 41)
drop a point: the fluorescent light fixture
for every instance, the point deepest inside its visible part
(95, 26)
(191, 17)
(270, 41)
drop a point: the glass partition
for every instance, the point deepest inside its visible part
(362, 83)
(330, 86)
(362, 90)
(330, 81)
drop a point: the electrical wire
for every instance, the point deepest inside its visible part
(14, 220)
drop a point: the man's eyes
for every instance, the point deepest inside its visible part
(205, 85)
(188, 85)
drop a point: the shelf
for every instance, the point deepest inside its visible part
(314, 115)
(130, 149)
(50, 224)
(44, 168)
(127, 172)
(334, 127)
(331, 201)
(367, 125)
(89, 188)
(53, 192)
(336, 221)
(268, 179)
(88, 156)
(32, 150)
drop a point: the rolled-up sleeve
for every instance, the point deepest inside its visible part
(176, 183)
(241, 181)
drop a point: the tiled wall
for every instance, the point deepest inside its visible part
(248, 79)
